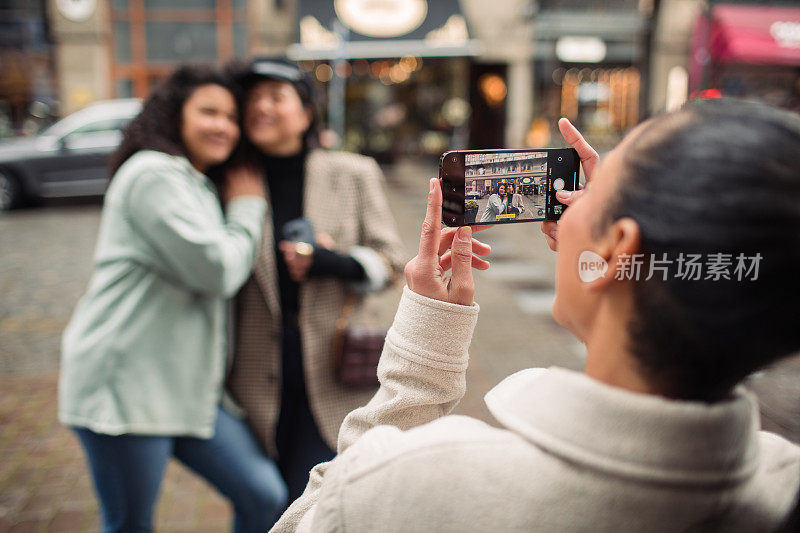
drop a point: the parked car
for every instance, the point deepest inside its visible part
(474, 195)
(70, 158)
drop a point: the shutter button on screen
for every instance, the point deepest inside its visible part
(558, 184)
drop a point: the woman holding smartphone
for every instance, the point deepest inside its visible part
(283, 369)
(655, 434)
(143, 357)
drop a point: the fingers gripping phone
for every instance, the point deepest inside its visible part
(505, 186)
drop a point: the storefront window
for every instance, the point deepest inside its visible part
(27, 88)
(239, 39)
(778, 85)
(593, 5)
(122, 42)
(602, 102)
(406, 106)
(181, 41)
(124, 88)
(152, 36)
(179, 4)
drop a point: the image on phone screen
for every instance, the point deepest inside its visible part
(505, 186)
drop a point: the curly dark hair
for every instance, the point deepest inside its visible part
(496, 189)
(158, 126)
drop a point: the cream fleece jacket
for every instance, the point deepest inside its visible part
(573, 454)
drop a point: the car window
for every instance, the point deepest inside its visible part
(109, 124)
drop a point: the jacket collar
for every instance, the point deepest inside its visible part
(316, 192)
(627, 434)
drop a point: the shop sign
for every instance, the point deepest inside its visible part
(77, 10)
(580, 49)
(786, 33)
(452, 33)
(314, 35)
(387, 18)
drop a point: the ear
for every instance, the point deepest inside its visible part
(309, 117)
(620, 243)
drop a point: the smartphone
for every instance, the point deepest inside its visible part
(505, 186)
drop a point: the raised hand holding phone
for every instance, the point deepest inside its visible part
(589, 160)
(440, 250)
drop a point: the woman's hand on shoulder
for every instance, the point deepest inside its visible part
(242, 181)
(443, 249)
(589, 159)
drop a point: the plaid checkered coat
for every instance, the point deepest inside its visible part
(343, 197)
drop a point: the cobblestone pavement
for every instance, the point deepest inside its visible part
(44, 267)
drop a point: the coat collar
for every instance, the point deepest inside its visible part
(628, 434)
(315, 188)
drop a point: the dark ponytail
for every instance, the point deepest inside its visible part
(717, 177)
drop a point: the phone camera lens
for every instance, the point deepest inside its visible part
(455, 159)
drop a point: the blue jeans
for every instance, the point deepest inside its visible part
(127, 472)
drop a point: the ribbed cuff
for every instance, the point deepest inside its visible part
(376, 270)
(432, 332)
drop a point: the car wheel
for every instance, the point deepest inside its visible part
(10, 191)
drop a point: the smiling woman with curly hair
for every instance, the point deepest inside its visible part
(143, 356)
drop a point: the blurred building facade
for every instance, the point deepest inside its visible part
(738, 48)
(415, 77)
(591, 63)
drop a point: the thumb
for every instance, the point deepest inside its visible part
(563, 196)
(568, 197)
(462, 287)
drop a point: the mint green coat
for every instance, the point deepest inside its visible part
(145, 349)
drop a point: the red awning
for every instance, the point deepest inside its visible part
(755, 34)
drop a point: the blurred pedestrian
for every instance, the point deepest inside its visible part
(515, 206)
(656, 434)
(283, 369)
(143, 357)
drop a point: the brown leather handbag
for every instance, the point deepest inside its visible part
(356, 350)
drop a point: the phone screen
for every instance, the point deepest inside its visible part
(505, 186)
